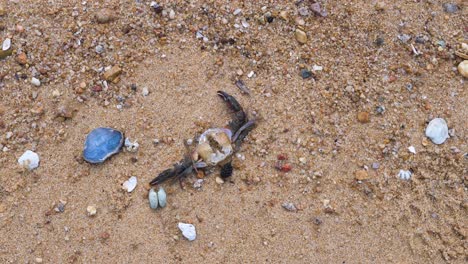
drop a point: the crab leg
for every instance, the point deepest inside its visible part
(240, 118)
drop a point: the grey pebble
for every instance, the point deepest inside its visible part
(289, 206)
(450, 7)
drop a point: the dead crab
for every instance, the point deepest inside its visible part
(215, 146)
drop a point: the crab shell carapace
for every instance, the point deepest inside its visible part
(214, 146)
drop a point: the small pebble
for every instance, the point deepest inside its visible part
(404, 38)
(361, 175)
(380, 109)
(412, 149)
(450, 7)
(251, 74)
(363, 117)
(29, 160)
(172, 14)
(188, 231)
(35, 82)
(375, 165)
(237, 11)
(91, 210)
(437, 131)
(99, 49)
(463, 68)
(306, 74)
(104, 16)
(156, 7)
(380, 6)
(219, 180)
(198, 184)
(289, 206)
(404, 174)
(145, 91)
(38, 260)
(301, 36)
(130, 184)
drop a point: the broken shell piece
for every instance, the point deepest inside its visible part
(29, 160)
(215, 145)
(91, 210)
(153, 199)
(188, 231)
(162, 197)
(6, 44)
(404, 174)
(130, 184)
(131, 146)
(101, 143)
(412, 149)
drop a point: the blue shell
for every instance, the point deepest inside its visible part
(101, 143)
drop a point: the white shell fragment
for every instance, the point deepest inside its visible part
(153, 199)
(35, 82)
(131, 146)
(130, 184)
(437, 131)
(91, 210)
(404, 174)
(29, 160)
(412, 149)
(6, 44)
(188, 231)
(162, 197)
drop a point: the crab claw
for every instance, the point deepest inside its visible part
(180, 170)
(240, 117)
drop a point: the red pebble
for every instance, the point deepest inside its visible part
(97, 88)
(286, 167)
(282, 157)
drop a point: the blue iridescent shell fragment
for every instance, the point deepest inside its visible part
(101, 143)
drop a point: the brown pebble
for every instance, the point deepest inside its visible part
(22, 59)
(104, 16)
(301, 36)
(363, 117)
(112, 73)
(361, 175)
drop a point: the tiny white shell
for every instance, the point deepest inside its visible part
(130, 184)
(29, 160)
(404, 175)
(437, 131)
(153, 199)
(162, 197)
(6, 44)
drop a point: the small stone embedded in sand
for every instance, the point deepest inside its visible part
(219, 180)
(289, 206)
(35, 82)
(91, 210)
(22, 59)
(361, 175)
(363, 117)
(188, 231)
(130, 184)
(412, 149)
(301, 36)
(145, 91)
(29, 160)
(104, 16)
(112, 73)
(437, 131)
(404, 174)
(463, 68)
(450, 7)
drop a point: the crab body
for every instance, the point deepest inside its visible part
(215, 146)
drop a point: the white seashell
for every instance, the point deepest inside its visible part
(404, 175)
(6, 44)
(153, 199)
(188, 231)
(162, 197)
(35, 82)
(437, 130)
(130, 184)
(412, 149)
(29, 160)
